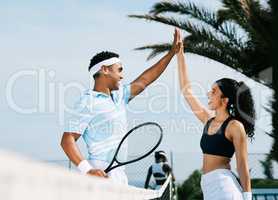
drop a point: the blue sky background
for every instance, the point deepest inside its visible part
(58, 38)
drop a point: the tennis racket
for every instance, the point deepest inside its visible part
(137, 144)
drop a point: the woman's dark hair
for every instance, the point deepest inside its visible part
(99, 57)
(241, 103)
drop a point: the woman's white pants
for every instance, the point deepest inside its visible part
(221, 184)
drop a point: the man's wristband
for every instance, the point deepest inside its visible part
(247, 196)
(84, 166)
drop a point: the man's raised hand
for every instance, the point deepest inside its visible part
(177, 43)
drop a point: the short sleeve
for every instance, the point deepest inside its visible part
(79, 119)
(126, 93)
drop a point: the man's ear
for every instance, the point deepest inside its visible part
(104, 69)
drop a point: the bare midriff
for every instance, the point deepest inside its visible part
(213, 162)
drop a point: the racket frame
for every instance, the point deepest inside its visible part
(119, 164)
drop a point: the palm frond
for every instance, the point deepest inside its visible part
(205, 49)
(196, 47)
(164, 20)
(199, 31)
(166, 6)
(260, 20)
(186, 8)
(204, 36)
(200, 14)
(156, 49)
(212, 51)
(248, 14)
(225, 15)
(237, 11)
(200, 35)
(216, 36)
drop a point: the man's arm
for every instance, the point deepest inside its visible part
(69, 146)
(151, 74)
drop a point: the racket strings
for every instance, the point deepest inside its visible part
(139, 142)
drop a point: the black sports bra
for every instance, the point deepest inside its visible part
(217, 144)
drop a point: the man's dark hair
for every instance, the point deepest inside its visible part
(99, 57)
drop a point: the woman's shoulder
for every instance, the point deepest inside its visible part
(235, 127)
(235, 124)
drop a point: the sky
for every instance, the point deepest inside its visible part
(45, 51)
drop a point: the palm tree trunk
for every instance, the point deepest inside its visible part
(274, 151)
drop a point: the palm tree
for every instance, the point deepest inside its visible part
(267, 167)
(274, 150)
(239, 35)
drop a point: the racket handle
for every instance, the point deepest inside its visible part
(109, 168)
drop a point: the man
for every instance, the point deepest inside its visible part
(160, 170)
(101, 113)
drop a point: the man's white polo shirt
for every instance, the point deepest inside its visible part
(101, 120)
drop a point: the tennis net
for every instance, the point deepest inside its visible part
(166, 192)
(26, 179)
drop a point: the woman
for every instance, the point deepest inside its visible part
(228, 122)
(160, 170)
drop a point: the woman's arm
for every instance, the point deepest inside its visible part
(196, 106)
(148, 178)
(238, 134)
